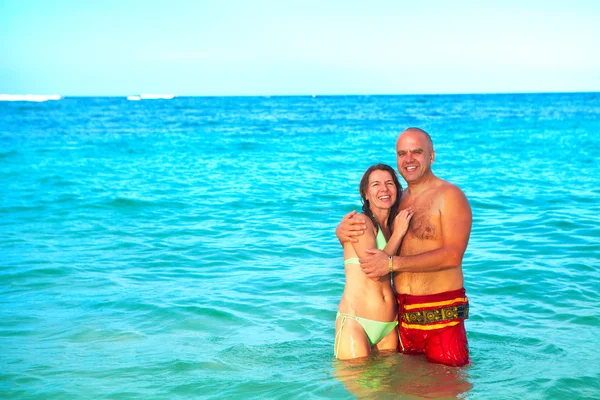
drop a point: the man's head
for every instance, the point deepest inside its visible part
(414, 155)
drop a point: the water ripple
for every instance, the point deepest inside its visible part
(186, 248)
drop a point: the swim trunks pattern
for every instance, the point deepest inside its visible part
(443, 314)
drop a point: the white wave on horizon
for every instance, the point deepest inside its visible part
(30, 97)
(148, 96)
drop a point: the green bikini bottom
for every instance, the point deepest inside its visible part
(375, 330)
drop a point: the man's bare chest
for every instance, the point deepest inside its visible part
(425, 223)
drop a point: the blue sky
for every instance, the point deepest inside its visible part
(227, 47)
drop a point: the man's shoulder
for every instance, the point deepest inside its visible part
(444, 187)
(448, 193)
(452, 196)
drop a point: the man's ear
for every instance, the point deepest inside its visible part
(432, 156)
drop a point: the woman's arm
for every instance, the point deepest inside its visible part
(401, 223)
(367, 239)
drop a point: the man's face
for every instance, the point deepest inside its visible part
(414, 155)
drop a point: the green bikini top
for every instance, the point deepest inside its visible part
(379, 240)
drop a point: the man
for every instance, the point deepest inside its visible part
(427, 272)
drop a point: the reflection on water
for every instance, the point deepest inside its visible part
(410, 377)
(186, 248)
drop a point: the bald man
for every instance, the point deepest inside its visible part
(427, 271)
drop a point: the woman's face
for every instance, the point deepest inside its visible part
(381, 190)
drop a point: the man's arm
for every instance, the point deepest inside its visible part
(350, 227)
(456, 221)
(366, 240)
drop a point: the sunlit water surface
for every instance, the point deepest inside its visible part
(186, 248)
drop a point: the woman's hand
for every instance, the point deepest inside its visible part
(402, 221)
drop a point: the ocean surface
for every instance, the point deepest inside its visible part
(185, 248)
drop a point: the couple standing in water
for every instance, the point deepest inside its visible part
(403, 261)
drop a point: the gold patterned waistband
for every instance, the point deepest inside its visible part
(460, 311)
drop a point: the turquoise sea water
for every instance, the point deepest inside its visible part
(186, 248)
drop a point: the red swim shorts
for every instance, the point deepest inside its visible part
(434, 325)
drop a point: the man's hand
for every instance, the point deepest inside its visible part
(375, 265)
(350, 227)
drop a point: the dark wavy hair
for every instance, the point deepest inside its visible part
(362, 188)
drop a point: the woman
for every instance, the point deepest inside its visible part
(367, 315)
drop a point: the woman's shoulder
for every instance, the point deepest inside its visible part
(366, 217)
(368, 221)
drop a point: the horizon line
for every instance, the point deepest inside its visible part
(313, 94)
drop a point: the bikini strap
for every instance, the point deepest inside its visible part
(338, 335)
